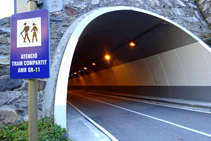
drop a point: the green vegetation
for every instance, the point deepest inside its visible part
(47, 131)
(207, 39)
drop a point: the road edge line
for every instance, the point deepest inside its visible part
(94, 123)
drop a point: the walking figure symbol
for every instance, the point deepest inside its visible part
(26, 29)
(34, 33)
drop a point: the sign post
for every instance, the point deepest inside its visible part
(32, 94)
(30, 55)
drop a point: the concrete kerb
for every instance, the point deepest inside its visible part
(200, 104)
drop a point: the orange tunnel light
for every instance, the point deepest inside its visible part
(107, 57)
(132, 44)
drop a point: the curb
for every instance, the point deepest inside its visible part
(193, 103)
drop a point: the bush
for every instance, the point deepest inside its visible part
(207, 39)
(47, 131)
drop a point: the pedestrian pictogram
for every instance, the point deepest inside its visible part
(29, 32)
(26, 29)
(34, 29)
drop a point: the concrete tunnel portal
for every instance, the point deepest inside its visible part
(167, 60)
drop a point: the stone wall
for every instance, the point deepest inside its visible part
(183, 12)
(205, 8)
(13, 93)
(14, 106)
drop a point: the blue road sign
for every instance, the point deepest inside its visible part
(29, 47)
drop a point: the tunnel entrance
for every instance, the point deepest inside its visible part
(167, 60)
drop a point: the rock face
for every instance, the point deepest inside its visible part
(16, 105)
(205, 7)
(8, 115)
(9, 84)
(13, 93)
(8, 98)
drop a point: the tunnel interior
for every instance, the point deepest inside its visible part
(166, 61)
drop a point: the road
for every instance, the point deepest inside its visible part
(130, 120)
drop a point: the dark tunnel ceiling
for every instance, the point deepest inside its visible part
(111, 33)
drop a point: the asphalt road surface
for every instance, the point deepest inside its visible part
(136, 121)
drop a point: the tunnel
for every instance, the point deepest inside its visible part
(166, 60)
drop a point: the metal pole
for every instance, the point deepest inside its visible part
(32, 94)
(32, 5)
(32, 110)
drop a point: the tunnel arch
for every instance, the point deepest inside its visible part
(75, 30)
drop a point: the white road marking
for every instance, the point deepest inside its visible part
(94, 123)
(171, 123)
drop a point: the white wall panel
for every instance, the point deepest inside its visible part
(123, 75)
(96, 79)
(74, 81)
(185, 66)
(86, 80)
(137, 81)
(105, 77)
(174, 71)
(114, 80)
(144, 72)
(158, 70)
(195, 65)
(208, 57)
